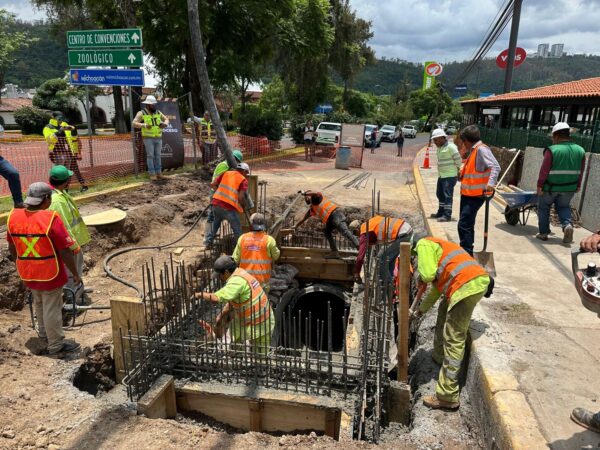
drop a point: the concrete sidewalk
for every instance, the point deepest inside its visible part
(535, 348)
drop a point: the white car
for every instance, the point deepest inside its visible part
(389, 133)
(409, 131)
(368, 129)
(328, 133)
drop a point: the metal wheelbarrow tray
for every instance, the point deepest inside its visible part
(519, 206)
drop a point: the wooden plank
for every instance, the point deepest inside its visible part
(333, 420)
(159, 402)
(125, 313)
(403, 306)
(254, 406)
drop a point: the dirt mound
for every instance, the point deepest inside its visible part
(12, 291)
(97, 373)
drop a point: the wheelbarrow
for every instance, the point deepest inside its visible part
(518, 206)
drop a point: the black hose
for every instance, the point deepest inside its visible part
(151, 247)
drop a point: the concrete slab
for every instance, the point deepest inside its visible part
(590, 213)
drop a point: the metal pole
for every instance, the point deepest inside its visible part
(89, 124)
(135, 158)
(189, 96)
(514, 34)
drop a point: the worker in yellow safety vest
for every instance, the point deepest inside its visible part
(247, 312)
(152, 122)
(332, 216)
(256, 251)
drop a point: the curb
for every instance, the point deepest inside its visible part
(511, 423)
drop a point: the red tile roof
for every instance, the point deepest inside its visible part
(589, 87)
(12, 104)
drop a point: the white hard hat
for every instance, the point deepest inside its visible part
(438, 132)
(560, 126)
(245, 167)
(150, 100)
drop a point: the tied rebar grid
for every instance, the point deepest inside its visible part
(315, 239)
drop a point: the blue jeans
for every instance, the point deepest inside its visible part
(153, 148)
(221, 214)
(444, 193)
(14, 182)
(469, 206)
(562, 203)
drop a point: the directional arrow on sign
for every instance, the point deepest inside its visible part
(135, 38)
(131, 58)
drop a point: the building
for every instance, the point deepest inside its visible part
(8, 108)
(557, 50)
(575, 102)
(543, 50)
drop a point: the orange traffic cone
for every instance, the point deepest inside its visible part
(426, 160)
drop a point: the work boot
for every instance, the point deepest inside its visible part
(153, 178)
(84, 189)
(435, 216)
(433, 402)
(333, 255)
(586, 419)
(20, 205)
(445, 219)
(160, 176)
(541, 236)
(568, 234)
(67, 348)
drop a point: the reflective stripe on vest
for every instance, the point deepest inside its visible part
(323, 210)
(49, 132)
(255, 310)
(385, 228)
(228, 190)
(473, 183)
(566, 167)
(254, 256)
(455, 268)
(154, 120)
(37, 259)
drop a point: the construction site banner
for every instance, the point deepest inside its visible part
(172, 155)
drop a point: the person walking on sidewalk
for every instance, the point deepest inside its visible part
(373, 139)
(400, 142)
(478, 179)
(449, 162)
(461, 283)
(332, 216)
(40, 245)
(10, 174)
(151, 121)
(256, 251)
(64, 205)
(560, 177)
(309, 147)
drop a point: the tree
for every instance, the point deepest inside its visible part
(32, 120)
(273, 96)
(10, 42)
(349, 51)
(429, 102)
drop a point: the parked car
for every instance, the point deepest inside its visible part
(389, 133)
(328, 133)
(409, 131)
(368, 129)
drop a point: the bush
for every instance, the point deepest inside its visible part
(341, 117)
(32, 120)
(255, 122)
(298, 123)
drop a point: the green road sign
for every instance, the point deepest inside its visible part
(116, 58)
(126, 38)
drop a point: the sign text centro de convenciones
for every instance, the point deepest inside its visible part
(107, 77)
(123, 38)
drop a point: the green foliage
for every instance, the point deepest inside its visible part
(273, 96)
(57, 95)
(341, 117)
(32, 120)
(255, 122)
(429, 103)
(11, 41)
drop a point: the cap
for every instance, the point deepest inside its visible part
(56, 114)
(37, 192)
(438, 132)
(223, 263)
(245, 167)
(237, 154)
(560, 126)
(354, 225)
(258, 222)
(60, 173)
(150, 100)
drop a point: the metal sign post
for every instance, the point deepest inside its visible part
(89, 124)
(135, 158)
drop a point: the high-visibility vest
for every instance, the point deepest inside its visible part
(37, 259)
(228, 189)
(385, 228)
(256, 309)
(65, 206)
(254, 256)
(73, 141)
(455, 268)
(566, 167)
(154, 119)
(323, 210)
(50, 131)
(472, 182)
(208, 134)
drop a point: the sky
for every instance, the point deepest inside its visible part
(451, 30)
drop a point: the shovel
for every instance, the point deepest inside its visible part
(485, 258)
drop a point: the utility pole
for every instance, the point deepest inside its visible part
(512, 46)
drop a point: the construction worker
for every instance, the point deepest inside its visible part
(478, 179)
(388, 233)
(461, 282)
(331, 216)
(560, 177)
(63, 145)
(151, 121)
(40, 244)
(8, 172)
(247, 308)
(64, 205)
(256, 251)
(228, 201)
(449, 162)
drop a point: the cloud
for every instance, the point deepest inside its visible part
(23, 9)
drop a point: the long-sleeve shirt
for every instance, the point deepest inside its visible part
(547, 166)
(370, 238)
(486, 160)
(429, 254)
(272, 250)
